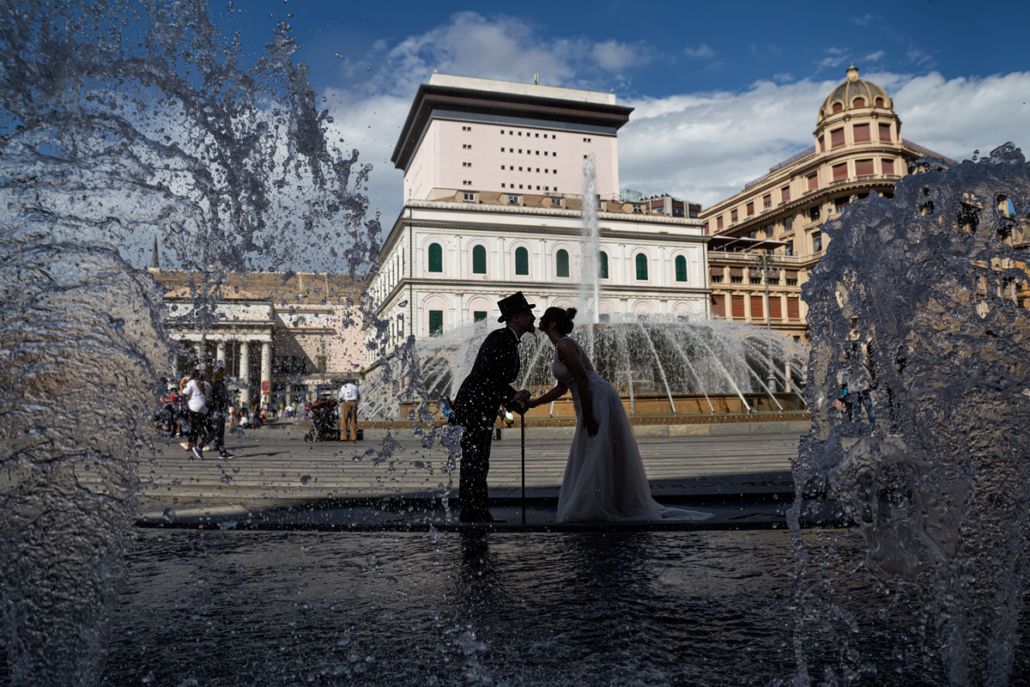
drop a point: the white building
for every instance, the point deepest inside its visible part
(493, 177)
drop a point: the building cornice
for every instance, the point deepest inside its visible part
(530, 107)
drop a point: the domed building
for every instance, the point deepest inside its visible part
(774, 224)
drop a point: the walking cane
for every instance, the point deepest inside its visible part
(523, 426)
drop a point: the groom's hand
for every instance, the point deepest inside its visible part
(520, 402)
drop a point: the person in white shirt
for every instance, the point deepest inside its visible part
(349, 397)
(196, 392)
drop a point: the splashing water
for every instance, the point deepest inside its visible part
(121, 121)
(928, 292)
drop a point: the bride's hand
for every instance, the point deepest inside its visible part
(592, 426)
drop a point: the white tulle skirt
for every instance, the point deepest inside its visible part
(604, 478)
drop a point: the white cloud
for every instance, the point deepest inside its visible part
(614, 56)
(874, 56)
(701, 50)
(706, 146)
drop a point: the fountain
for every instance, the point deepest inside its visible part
(121, 121)
(930, 290)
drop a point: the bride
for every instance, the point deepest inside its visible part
(604, 478)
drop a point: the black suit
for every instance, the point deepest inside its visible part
(475, 408)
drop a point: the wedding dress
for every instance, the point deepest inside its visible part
(604, 477)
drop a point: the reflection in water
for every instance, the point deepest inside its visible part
(662, 608)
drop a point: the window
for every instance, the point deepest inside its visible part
(837, 138)
(861, 133)
(718, 222)
(718, 305)
(522, 262)
(681, 268)
(813, 213)
(751, 208)
(840, 172)
(838, 107)
(785, 194)
(435, 257)
(514, 199)
(602, 265)
(885, 133)
(737, 307)
(789, 250)
(320, 363)
(878, 102)
(756, 307)
(858, 102)
(561, 262)
(887, 165)
(813, 181)
(788, 224)
(817, 242)
(733, 215)
(767, 201)
(435, 322)
(478, 315)
(478, 260)
(641, 267)
(468, 196)
(863, 168)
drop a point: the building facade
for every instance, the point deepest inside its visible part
(858, 150)
(493, 179)
(283, 338)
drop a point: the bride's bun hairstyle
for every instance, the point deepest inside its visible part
(561, 317)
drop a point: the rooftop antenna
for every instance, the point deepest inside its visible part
(536, 79)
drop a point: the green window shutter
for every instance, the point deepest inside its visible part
(435, 322)
(641, 267)
(478, 260)
(603, 266)
(435, 257)
(478, 315)
(562, 263)
(522, 261)
(681, 268)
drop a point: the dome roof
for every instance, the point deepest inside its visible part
(843, 96)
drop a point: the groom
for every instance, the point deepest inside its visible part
(486, 388)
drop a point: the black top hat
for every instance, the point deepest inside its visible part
(513, 305)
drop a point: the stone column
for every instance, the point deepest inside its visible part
(220, 352)
(266, 371)
(244, 374)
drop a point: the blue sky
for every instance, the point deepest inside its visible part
(721, 90)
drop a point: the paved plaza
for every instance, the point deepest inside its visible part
(276, 470)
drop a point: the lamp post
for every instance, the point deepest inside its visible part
(768, 321)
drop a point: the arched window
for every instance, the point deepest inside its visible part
(838, 107)
(681, 268)
(858, 102)
(522, 262)
(435, 257)
(561, 262)
(602, 266)
(879, 102)
(641, 267)
(479, 260)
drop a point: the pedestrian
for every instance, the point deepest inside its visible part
(859, 386)
(196, 393)
(217, 409)
(349, 397)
